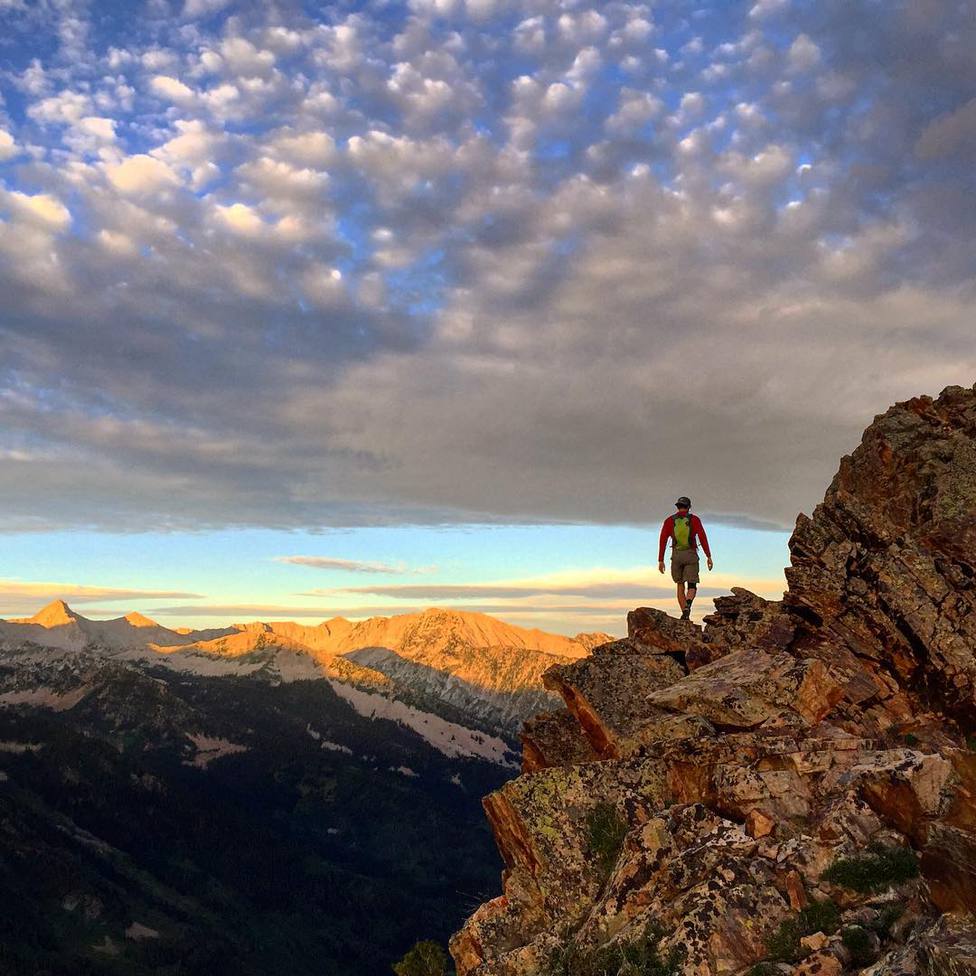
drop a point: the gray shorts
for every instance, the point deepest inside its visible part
(684, 566)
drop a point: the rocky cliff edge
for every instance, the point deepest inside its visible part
(790, 789)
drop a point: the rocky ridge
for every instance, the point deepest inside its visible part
(790, 789)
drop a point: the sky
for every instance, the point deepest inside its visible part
(354, 308)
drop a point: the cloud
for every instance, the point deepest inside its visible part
(481, 263)
(311, 149)
(98, 127)
(766, 8)
(482, 591)
(270, 611)
(203, 8)
(140, 174)
(951, 133)
(119, 244)
(171, 88)
(281, 181)
(618, 587)
(40, 209)
(803, 54)
(244, 58)
(238, 612)
(347, 565)
(61, 109)
(8, 147)
(636, 109)
(241, 219)
(17, 596)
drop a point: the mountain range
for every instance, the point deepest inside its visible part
(467, 668)
(254, 798)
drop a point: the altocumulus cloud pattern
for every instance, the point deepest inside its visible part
(301, 264)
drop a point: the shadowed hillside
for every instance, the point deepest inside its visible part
(170, 823)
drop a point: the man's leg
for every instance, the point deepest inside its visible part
(678, 575)
(692, 572)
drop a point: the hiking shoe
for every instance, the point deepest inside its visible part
(686, 615)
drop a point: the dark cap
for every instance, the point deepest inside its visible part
(683, 502)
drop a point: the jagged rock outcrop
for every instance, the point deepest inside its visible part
(790, 789)
(554, 739)
(886, 564)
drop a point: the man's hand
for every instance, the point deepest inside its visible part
(710, 563)
(660, 566)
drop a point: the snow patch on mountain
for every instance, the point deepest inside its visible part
(44, 696)
(21, 747)
(336, 747)
(209, 748)
(453, 741)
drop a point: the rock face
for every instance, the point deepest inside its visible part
(790, 789)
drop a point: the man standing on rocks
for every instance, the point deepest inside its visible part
(684, 530)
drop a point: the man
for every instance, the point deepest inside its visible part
(684, 530)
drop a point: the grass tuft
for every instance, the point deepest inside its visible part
(640, 958)
(858, 944)
(875, 871)
(605, 830)
(886, 919)
(819, 916)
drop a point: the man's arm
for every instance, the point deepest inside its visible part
(700, 532)
(665, 535)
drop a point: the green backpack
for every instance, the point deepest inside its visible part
(682, 532)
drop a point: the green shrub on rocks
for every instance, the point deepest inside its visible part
(819, 916)
(640, 958)
(426, 958)
(605, 830)
(784, 944)
(886, 919)
(875, 871)
(858, 943)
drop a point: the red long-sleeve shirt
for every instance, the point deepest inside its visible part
(697, 533)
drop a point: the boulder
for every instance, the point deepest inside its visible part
(752, 688)
(758, 824)
(606, 693)
(747, 620)
(554, 739)
(660, 632)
